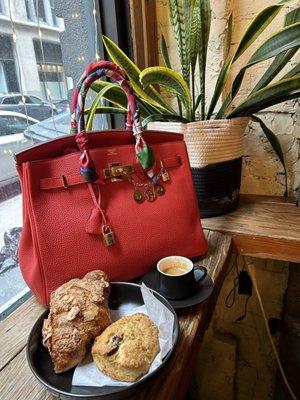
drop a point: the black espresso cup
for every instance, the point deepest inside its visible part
(177, 277)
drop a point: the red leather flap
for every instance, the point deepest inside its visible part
(71, 180)
(63, 145)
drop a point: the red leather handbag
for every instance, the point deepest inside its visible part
(114, 200)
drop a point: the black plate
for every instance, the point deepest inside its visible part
(151, 279)
(123, 295)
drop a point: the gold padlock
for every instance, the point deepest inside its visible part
(164, 173)
(108, 236)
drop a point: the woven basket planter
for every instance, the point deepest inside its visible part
(215, 150)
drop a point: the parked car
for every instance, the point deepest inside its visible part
(47, 129)
(62, 106)
(35, 106)
(12, 125)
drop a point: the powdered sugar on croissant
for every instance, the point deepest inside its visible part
(78, 313)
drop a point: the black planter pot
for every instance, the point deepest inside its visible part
(215, 149)
(217, 187)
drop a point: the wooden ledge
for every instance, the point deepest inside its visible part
(262, 226)
(18, 383)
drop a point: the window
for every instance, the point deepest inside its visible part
(30, 10)
(42, 9)
(8, 75)
(54, 19)
(2, 11)
(3, 84)
(51, 73)
(40, 64)
(34, 100)
(10, 100)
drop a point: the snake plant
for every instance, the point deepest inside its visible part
(191, 22)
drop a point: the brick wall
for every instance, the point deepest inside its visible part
(262, 172)
(236, 360)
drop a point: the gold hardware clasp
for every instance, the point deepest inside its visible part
(117, 171)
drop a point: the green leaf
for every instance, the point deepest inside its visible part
(292, 17)
(281, 59)
(179, 14)
(272, 138)
(226, 102)
(107, 110)
(146, 157)
(164, 52)
(256, 27)
(117, 97)
(277, 65)
(293, 72)
(114, 95)
(205, 23)
(171, 80)
(283, 90)
(228, 37)
(150, 95)
(197, 102)
(165, 55)
(95, 104)
(284, 39)
(164, 118)
(194, 36)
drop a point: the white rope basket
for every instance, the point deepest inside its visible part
(209, 142)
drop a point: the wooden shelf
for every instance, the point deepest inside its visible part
(262, 226)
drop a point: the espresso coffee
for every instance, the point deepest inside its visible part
(174, 267)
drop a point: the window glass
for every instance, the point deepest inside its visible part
(9, 100)
(3, 84)
(7, 60)
(27, 99)
(39, 61)
(40, 10)
(30, 9)
(35, 100)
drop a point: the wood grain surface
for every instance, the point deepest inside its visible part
(262, 226)
(18, 383)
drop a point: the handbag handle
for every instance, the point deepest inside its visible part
(94, 71)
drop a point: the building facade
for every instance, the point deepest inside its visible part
(30, 52)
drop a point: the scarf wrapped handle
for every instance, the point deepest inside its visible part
(94, 71)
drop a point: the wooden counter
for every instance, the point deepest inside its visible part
(17, 382)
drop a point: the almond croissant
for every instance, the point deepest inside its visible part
(78, 313)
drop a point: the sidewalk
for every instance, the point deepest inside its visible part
(11, 281)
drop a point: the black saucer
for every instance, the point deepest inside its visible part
(151, 279)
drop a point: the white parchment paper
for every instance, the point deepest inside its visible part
(87, 373)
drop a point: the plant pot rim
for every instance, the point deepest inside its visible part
(212, 123)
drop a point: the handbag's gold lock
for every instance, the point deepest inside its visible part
(117, 172)
(108, 236)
